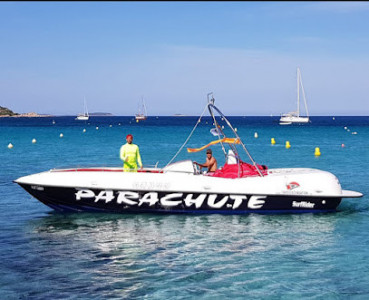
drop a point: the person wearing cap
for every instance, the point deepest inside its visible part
(130, 154)
(211, 162)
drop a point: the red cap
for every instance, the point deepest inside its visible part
(129, 135)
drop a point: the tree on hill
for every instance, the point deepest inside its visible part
(6, 112)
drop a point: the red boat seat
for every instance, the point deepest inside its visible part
(231, 171)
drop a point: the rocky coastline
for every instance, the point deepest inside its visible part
(6, 113)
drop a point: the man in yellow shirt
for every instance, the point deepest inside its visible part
(130, 153)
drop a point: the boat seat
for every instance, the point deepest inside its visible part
(243, 170)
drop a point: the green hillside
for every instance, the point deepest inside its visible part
(6, 112)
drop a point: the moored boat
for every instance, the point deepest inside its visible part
(142, 112)
(84, 116)
(295, 117)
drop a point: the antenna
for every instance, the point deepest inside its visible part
(212, 100)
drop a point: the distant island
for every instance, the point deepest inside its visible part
(100, 114)
(6, 112)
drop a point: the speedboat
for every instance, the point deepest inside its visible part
(237, 187)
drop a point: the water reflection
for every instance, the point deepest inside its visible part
(121, 255)
(148, 232)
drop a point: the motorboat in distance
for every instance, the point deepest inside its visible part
(237, 187)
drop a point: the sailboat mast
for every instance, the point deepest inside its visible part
(144, 108)
(303, 94)
(298, 92)
(86, 112)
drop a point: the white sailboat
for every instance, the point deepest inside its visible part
(142, 113)
(85, 116)
(294, 117)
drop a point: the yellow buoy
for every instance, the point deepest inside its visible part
(34, 141)
(272, 141)
(84, 130)
(288, 145)
(10, 145)
(61, 135)
(256, 135)
(317, 151)
(136, 121)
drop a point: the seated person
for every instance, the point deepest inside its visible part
(211, 162)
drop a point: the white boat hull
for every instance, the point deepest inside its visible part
(293, 120)
(82, 118)
(111, 190)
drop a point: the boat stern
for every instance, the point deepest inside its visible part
(311, 182)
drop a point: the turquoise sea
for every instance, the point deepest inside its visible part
(49, 255)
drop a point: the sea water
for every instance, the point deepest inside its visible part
(49, 255)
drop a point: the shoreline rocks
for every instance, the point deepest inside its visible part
(6, 113)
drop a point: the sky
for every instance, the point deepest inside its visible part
(172, 54)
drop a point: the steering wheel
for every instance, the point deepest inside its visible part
(196, 168)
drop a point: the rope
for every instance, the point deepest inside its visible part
(180, 149)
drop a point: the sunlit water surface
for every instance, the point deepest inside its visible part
(48, 255)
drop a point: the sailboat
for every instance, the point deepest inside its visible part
(294, 117)
(142, 113)
(85, 116)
